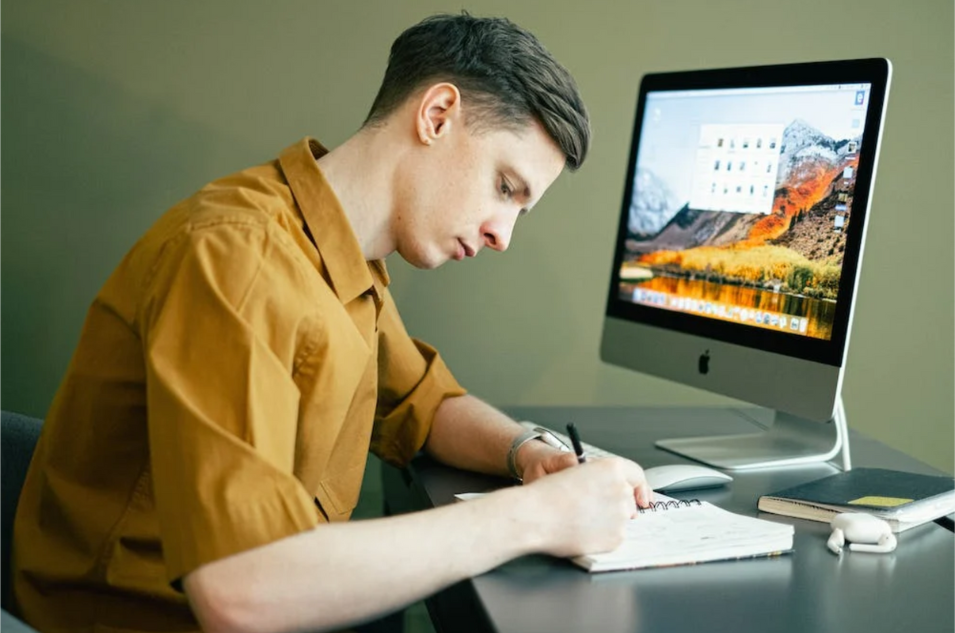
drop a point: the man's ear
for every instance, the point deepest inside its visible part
(439, 110)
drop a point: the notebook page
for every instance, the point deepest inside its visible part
(695, 533)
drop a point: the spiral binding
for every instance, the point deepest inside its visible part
(663, 506)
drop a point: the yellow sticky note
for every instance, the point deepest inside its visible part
(880, 502)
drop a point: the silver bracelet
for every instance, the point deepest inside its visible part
(518, 442)
(547, 437)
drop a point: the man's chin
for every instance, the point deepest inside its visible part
(424, 262)
(428, 266)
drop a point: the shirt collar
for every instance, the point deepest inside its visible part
(350, 274)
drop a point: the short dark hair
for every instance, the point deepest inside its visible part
(504, 73)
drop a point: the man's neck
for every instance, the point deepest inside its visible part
(360, 172)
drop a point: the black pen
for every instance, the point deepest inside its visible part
(575, 440)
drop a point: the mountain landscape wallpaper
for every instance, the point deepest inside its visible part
(788, 261)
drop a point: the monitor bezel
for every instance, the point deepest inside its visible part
(831, 352)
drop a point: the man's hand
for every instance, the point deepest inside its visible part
(536, 459)
(470, 434)
(585, 509)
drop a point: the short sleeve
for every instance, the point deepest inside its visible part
(413, 380)
(222, 405)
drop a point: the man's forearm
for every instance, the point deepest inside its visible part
(323, 578)
(470, 434)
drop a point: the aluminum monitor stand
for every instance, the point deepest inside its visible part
(791, 440)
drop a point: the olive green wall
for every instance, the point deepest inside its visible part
(112, 111)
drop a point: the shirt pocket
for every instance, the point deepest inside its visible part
(338, 495)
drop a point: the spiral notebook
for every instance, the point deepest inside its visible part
(672, 532)
(686, 532)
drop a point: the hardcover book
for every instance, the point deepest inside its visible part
(903, 499)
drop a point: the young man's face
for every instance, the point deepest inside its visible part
(464, 190)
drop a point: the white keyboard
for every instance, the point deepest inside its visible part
(589, 449)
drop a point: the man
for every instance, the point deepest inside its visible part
(206, 447)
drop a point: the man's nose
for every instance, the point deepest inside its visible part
(497, 234)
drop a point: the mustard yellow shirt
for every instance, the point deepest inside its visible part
(230, 379)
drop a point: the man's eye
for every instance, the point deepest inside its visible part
(505, 189)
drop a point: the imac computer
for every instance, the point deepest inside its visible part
(740, 243)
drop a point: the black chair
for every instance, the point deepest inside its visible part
(18, 437)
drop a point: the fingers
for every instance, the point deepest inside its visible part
(643, 495)
(586, 507)
(559, 461)
(622, 469)
(552, 463)
(637, 480)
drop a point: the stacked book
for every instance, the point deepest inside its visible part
(903, 499)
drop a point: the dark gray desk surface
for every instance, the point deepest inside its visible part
(912, 589)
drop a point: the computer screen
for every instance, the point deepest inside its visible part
(742, 228)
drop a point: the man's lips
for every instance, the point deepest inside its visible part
(468, 251)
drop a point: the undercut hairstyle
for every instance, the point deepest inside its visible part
(504, 74)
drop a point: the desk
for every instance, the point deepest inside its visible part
(912, 589)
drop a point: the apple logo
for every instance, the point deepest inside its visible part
(705, 362)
